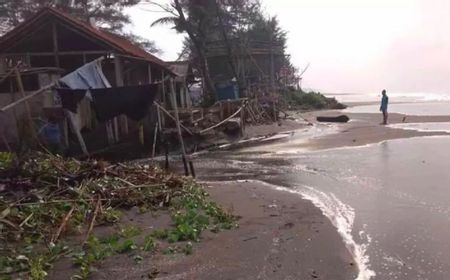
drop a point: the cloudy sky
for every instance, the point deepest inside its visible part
(352, 45)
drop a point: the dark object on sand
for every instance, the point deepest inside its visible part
(339, 119)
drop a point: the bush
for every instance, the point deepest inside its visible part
(298, 99)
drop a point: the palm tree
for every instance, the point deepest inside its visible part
(194, 26)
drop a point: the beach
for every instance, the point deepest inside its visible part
(324, 201)
(343, 170)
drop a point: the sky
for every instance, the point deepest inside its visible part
(352, 46)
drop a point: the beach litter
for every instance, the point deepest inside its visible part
(46, 199)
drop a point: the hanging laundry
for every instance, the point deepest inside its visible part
(86, 77)
(133, 101)
(70, 98)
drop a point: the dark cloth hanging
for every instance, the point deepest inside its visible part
(133, 101)
(70, 98)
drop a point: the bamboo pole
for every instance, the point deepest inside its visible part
(29, 96)
(155, 133)
(177, 120)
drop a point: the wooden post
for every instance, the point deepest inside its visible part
(275, 115)
(65, 133)
(163, 85)
(221, 110)
(141, 133)
(177, 117)
(3, 65)
(55, 44)
(118, 69)
(163, 78)
(272, 67)
(110, 132)
(158, 115)
(115, 127)
(27, 106)
(149, 69)
(155, 133)
(243, 119)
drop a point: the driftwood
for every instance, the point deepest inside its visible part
(338, 119)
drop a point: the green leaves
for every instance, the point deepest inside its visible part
(149, 243)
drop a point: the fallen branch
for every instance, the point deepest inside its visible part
(63, 224)
(26, 220)
(94, 216)
(9, 223)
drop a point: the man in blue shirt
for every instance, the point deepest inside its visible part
(384, 106)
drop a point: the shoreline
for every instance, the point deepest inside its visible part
(365, 128)
(362, 131)
(293, 240)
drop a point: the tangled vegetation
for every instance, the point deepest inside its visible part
(50, 205)
(297, 99)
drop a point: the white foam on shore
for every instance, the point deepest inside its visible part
(423, 127)
(342, 217)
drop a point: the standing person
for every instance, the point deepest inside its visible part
(384, 106)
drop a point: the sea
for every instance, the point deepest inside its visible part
(389, 201)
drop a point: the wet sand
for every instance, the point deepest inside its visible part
(280, 236)
(364, 129)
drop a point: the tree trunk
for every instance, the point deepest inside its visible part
(228, 47)
(209, 84)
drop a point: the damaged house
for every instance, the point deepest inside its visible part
(53, 44)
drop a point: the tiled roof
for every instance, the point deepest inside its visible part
(118, 43)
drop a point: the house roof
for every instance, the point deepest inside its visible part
(183, 69)
(116, 42)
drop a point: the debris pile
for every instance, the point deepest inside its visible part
(45, 198)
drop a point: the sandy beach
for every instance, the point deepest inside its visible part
(281, 235)
(312, 245)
